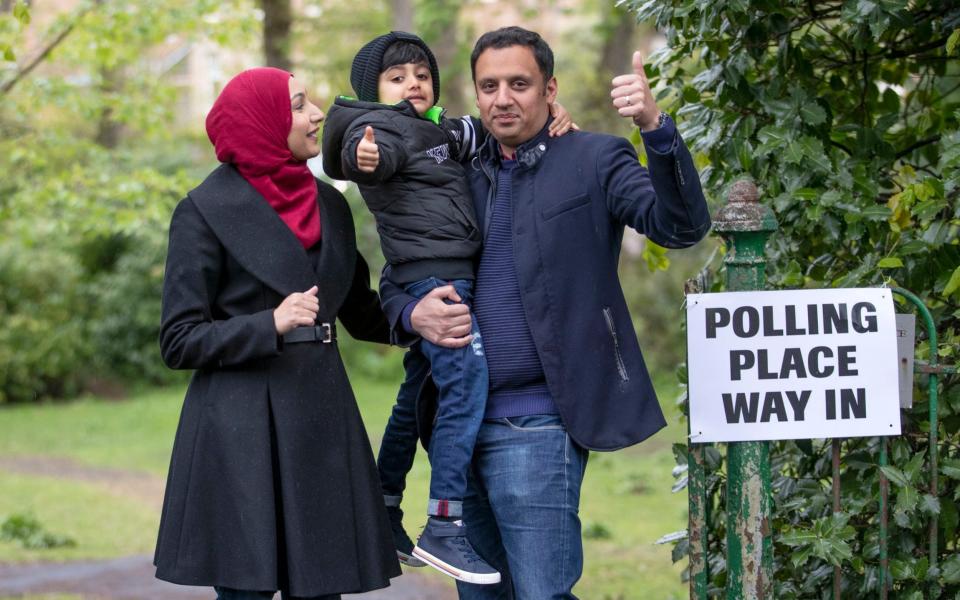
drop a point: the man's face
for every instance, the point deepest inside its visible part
(513, 99)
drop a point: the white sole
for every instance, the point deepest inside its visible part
(436, 563)
(409, 561)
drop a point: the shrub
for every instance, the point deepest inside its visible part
(43, 347)
(125, 319)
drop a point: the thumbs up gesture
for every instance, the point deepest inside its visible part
(368, 155)
(632, 97)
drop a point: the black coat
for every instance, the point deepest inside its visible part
(272, 483)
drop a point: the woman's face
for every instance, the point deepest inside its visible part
(303, 139)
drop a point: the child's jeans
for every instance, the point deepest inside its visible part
(460, 375)
(399, 443)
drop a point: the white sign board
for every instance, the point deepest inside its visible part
(792, 365)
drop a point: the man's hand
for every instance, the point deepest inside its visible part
(440, 323)
(368, 155)
(632, 97)
(299, 309)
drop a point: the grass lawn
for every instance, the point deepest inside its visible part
(626, 502)
(102, 524)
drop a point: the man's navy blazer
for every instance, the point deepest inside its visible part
(572, 196)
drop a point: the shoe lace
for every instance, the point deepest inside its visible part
(467, 550)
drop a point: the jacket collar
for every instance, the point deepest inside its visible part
(405, 107)
(528, 154)
(253, 233)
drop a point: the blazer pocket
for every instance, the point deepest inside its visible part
(563, 206)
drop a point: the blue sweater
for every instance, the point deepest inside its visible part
(517, 383)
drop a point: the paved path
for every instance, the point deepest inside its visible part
(131, 578)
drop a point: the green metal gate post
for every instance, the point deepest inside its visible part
(932, 369)
(745, 225)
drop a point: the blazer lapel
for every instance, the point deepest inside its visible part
(252, 232)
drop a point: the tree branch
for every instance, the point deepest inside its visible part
(842, 147)
(916, 53)
(916, 145)
(45, 52)
(843, 44)
(866, 84)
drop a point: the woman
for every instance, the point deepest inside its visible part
(272, 484)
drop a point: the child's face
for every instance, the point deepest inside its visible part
(408, 81)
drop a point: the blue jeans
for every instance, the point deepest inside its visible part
(399, 443)
(224, 593)
(522, 508)
(460, 375)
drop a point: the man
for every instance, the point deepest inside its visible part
(566, 374)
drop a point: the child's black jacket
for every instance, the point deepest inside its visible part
(418, 193)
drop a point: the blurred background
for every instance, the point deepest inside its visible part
(102, 114)
(846, 114)
(102, 106)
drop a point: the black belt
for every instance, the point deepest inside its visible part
(324, 333)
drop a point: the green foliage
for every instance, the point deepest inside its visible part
(124, 319)
(827, 540)
(596, 531)
(73, 311)
(11, 24)
(42, 346)
(88, 189)
(329, 33)
(26, 530)
(847, 115)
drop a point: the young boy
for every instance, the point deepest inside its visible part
(416, 189)
(406, 159)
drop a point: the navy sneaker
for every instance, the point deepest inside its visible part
(401, 541)
(444, 546)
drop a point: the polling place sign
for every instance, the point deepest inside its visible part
(774, 365)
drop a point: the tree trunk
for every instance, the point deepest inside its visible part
(438, 24)
(277, 21)
(448, 55)
(617, 52)
(109, 130)
(617, 29)
(402, 15)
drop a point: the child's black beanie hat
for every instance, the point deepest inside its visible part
(365, 71)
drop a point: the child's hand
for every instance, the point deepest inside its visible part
(562, 122)
(368, 155)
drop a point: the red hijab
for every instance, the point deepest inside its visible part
(248, 126)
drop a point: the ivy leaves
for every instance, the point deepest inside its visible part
(827, 539)
(847, 115)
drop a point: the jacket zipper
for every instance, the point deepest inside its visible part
(491, 194)
(608, 316)
(679, 173)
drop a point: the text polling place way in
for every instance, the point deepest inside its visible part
(772, 365)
